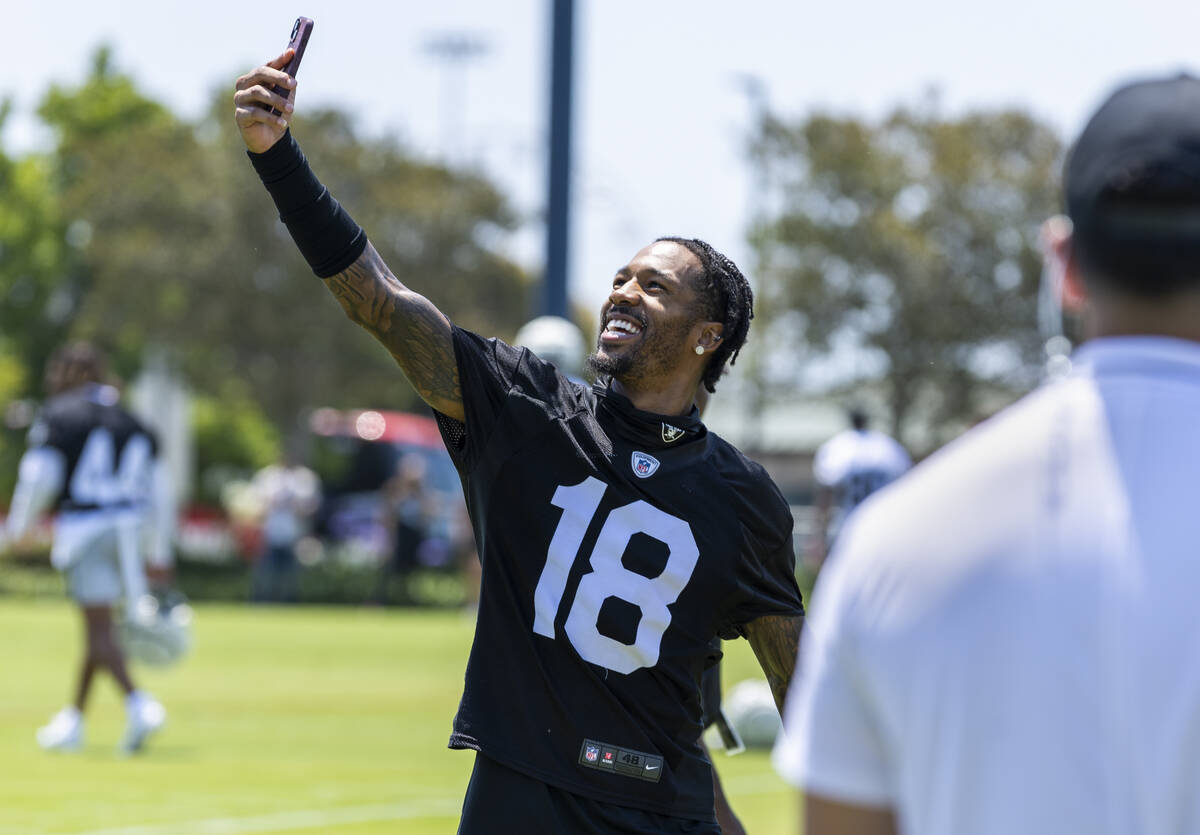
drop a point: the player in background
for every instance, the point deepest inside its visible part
(847, 468)
(98, 467)
(618, 536)
(1006, 641)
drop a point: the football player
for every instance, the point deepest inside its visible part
(618, 536)
(1006, 641)
(847, 468)
(98, 466)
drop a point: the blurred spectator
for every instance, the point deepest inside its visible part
(288, 494)
(409, 509)
(848, 467)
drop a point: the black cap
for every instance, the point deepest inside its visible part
(1132, 181)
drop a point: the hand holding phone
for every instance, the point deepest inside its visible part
(261, 91)
(301, 30)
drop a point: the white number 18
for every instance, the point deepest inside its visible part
(609, 578)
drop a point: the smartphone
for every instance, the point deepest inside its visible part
(301, 30)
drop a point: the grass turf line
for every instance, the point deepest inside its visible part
(337, 714)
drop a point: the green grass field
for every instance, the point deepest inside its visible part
(330, 720)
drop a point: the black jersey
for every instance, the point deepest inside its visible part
(109, 454)
(615, 545)
(710, 689)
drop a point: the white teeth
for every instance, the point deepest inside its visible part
(622, 325)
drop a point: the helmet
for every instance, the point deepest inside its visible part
(157, 631)
(752, 712)
(556, 341)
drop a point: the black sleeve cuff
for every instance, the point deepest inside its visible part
(325, 234)
(278, 161)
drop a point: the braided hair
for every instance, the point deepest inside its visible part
(727, 298)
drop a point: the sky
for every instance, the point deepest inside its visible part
(661, 110)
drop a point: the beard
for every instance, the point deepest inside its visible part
(603, 365)
(652, 356)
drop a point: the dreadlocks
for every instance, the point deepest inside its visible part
(727, 299)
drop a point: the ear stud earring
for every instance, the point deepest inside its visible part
(699, 350)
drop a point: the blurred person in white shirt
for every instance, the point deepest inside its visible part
(1008, 640)
(847, 469)
(288, 494)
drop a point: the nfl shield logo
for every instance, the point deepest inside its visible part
(592, 753)
(671, 433)
(644, 465)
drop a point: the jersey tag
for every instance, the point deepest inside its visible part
(644, 465)
(671, 433)
(604, 757)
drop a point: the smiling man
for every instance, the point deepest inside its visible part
(618, 536)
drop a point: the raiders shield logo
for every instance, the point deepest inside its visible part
(644, 465)
(671, 433)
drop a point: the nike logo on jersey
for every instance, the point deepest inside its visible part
(613, 759)
(671, 433)
(644, 465)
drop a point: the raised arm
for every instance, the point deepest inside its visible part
(775, 640)
(414, 331)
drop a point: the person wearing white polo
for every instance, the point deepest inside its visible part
(1008, 640)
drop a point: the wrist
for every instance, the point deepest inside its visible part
(324, 232)
(278, 161)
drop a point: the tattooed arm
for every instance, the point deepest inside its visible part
(775, 640)
(415, 332)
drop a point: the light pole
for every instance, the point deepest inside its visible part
(558, 208)
(454, 50)
(755, 91)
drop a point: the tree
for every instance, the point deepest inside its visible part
(36, 261)
(178, 247)
(435, 227)
(910, 244)
(35, 258)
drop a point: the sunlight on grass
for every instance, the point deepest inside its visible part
(340, 714)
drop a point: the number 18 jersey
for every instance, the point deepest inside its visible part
(615, 545)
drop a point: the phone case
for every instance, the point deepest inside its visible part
(301, 30)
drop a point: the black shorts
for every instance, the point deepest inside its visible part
(502, 800)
